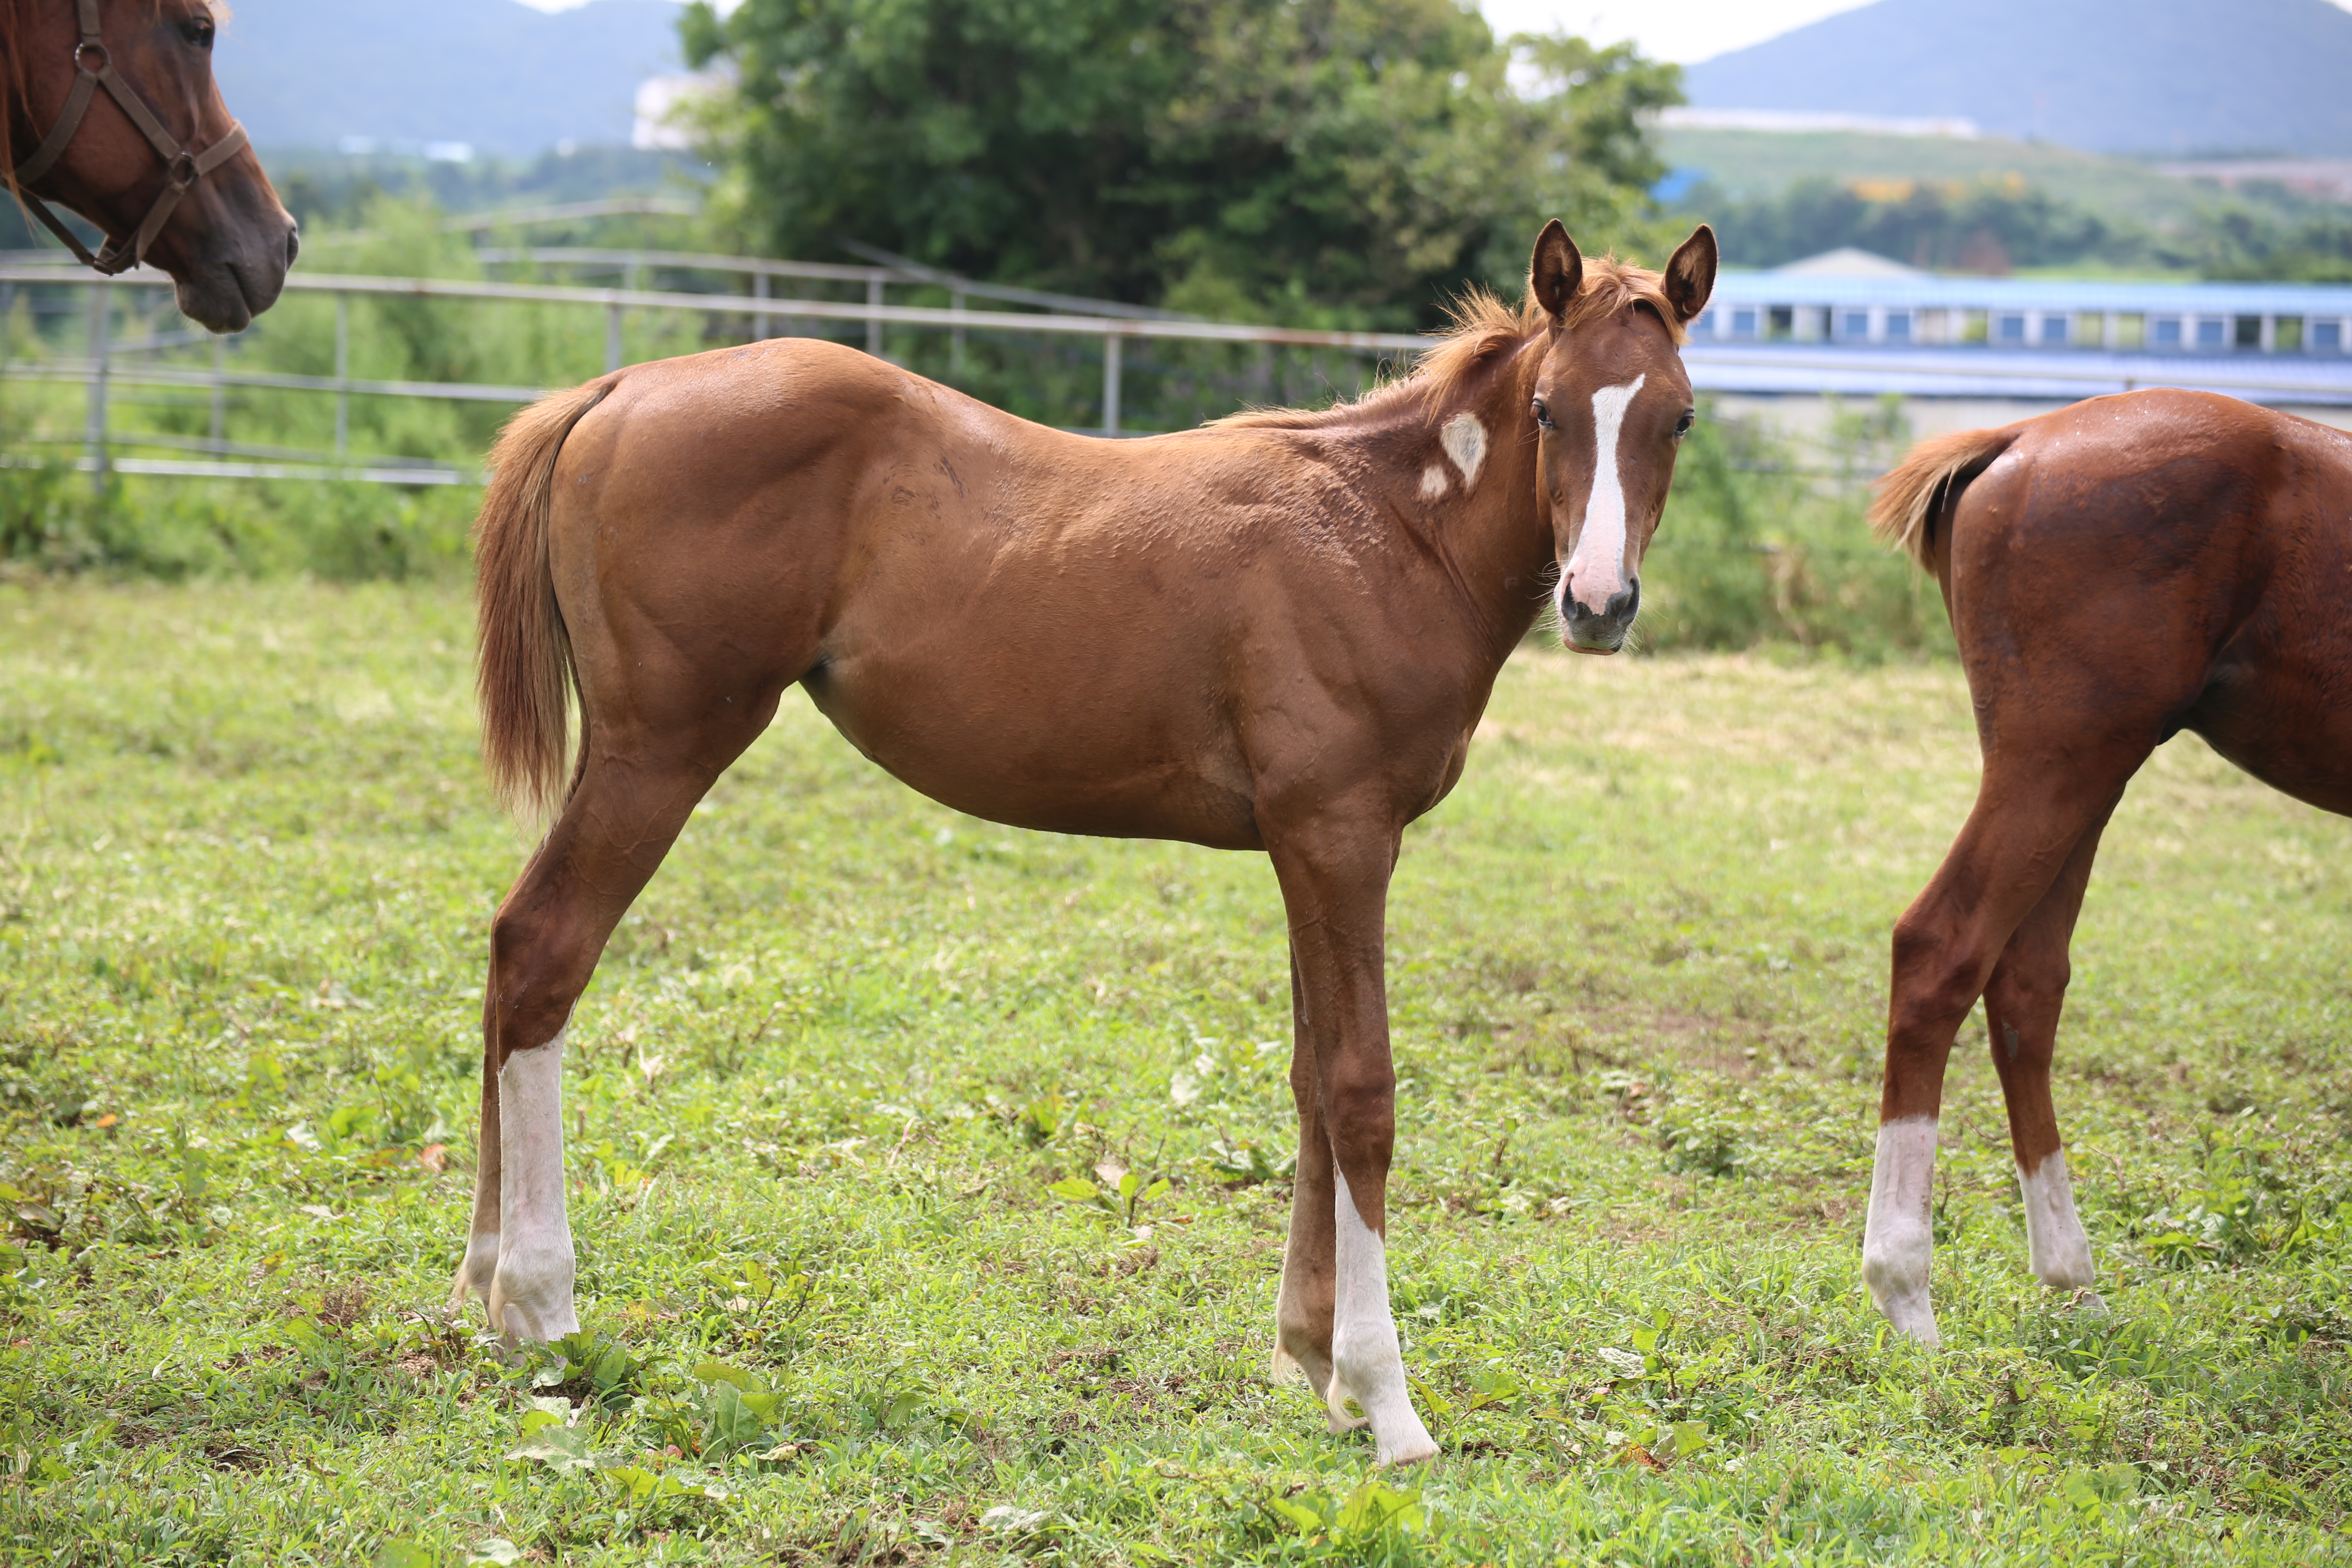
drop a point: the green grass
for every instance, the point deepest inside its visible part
(847, 1042)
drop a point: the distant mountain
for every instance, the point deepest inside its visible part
(2168, 76)
(492, 73)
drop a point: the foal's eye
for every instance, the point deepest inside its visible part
(198, 30)
(1543, 414)
(1683, 426)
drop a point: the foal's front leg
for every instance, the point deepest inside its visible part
(1336, 888)
(1303, 1311)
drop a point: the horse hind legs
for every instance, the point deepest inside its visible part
(519, 1255)
(480, 1266)
(544, 945)
(1939, 947)
(2022, 1003)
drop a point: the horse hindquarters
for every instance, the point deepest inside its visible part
(660, 723)
(2074, 676)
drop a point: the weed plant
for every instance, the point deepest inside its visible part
(929, 1177)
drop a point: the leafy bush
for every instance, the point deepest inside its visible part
(1764, 540)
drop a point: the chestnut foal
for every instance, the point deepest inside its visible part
(1276, 633)
(2116, 571)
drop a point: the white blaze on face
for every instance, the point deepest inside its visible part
(1899, 1243)
(2060, 1253)
(1366, 1363)
(1465, 440)
(530, 1296)
(1596, 571)
(1432, 482)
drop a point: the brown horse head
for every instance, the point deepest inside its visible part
(111, 112)
(1611, 402)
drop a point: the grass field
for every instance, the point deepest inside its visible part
(849, 1046)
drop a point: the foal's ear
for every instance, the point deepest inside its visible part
(1557, 271)
(1690, 274)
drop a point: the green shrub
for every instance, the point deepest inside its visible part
(1764, 540)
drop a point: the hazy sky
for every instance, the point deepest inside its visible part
(1683, 30)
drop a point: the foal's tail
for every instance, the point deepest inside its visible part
(1926, 485)
(526, 678)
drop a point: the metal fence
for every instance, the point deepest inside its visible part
(749, 301)
(107, 361)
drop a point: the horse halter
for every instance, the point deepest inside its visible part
(94, 68)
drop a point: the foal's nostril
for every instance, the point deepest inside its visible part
(293, 242)
(1624, 604)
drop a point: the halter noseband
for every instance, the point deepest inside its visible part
(94, 68)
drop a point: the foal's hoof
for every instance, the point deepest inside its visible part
(1409, 1448)
(2083, 1299)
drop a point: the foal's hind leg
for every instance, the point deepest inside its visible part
(480, 1264)
(2037, 809)
(2022, 1002)
(544, 944)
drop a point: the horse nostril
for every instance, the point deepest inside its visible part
(293, 242)
(1624, 604)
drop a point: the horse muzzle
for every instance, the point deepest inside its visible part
(223, 287)
(1602, 630)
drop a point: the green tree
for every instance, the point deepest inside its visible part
(1350, 160)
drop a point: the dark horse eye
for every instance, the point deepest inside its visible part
(1543, 414)
(198, 30)
(1683, 426)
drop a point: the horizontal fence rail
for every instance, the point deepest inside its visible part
(103, 363)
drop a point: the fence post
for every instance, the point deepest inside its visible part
(101, 300)
(342, 377)
(874, 323)
(611, 335)
(220, 395)
(1111, 384)
(955, 340)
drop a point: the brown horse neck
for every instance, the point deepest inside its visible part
(1458, 472)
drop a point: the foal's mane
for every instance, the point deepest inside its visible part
(1483, 326)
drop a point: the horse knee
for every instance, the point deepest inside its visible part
(1360, 1107)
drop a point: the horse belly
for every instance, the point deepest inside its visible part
(2279, 705)
(1063, 750)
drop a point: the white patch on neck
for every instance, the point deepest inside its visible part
(1366, 1362)
(530, 1296)
(2060, 1253)
(1899, 1243)
(1465, 440)
(1596, 571)
(1434, 484)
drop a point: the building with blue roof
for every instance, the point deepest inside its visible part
(1859, 325)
